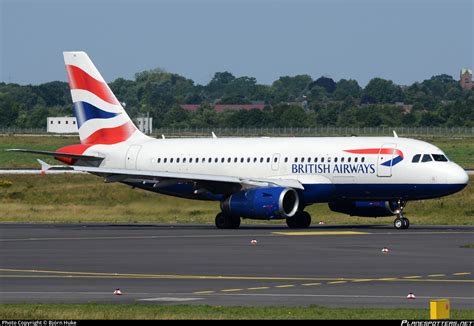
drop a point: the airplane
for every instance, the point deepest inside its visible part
(253, 178)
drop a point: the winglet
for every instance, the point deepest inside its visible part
(395, 134)
(214, 135)
(163, 136)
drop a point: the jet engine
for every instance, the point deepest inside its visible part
(365, 208)
(262, 203)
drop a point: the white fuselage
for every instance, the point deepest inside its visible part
(312, 161)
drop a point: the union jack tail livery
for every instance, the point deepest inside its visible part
(101, 119)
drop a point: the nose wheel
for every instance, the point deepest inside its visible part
(401, 222)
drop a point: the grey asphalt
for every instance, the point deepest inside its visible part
(198, 264)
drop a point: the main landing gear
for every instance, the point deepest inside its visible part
(224, 221)
(401, 222)
(301, 220)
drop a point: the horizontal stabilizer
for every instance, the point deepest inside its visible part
(59, 154)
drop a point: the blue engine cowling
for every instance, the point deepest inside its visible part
(365, 208)
(262, 203)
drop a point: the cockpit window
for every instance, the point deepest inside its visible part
(439, 158)
(416, 158)
(426, 158)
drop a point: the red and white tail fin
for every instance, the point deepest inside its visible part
(101, 119)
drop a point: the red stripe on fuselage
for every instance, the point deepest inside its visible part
(388, 151)
(79, 79)
(107, 136)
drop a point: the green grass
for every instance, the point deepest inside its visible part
(138, 311)
(459, 150)
(469, 246)
(37, 142)
(85, 198)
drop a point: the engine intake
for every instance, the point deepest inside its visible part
(365, 208)
(262, 203)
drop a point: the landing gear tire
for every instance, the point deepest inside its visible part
(224, 221)
(401, 223)
(301, 220)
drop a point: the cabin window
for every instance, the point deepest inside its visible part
(177, 160)
(254, 159)
(342, 159)
(362, 159)
(158, 160)
(274, 160)
(241, 160)
(171, 160)
(248, 159)
(309, 159)
(286, 159)
(296, 160)
(235, 159)
(349, 159)
(329, 160)
(315, 160)
(228, 160)
(216, 160)
(164, 160)
(302, 160)
(184, 160)
(426, 158)
(355, 159)
(322, 159)
(222, 160)
(416, 158)
(335, 160)
(261, 160)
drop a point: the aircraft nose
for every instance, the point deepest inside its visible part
(457, 175)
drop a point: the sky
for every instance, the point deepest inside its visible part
(401, 40)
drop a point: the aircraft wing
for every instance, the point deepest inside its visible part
(215, 183)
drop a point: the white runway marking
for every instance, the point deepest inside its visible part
(171, 299)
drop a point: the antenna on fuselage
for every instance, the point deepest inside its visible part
(395, 134)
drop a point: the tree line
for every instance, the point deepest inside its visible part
(290, 101)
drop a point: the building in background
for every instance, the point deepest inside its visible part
(61, 125)
(466, 78)
(144, 124)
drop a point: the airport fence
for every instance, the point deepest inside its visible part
(318, 131)
(288, 131)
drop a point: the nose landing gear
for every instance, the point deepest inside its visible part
(401, 222)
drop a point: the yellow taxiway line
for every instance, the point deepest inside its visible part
(322, 233)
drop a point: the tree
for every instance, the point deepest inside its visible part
(289, 89)
(379, 90)
(347, 88)
(325, 82)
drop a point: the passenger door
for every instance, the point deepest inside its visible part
(385, 160)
